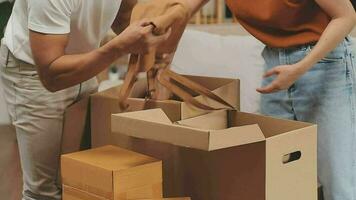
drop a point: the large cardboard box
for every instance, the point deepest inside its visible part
(103, 104)
(111, 173)
(232, 155)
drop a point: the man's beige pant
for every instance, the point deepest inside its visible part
(37, 115)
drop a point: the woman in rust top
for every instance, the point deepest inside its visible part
(310, 76)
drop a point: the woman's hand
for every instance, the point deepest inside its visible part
(286, 76)
(138, 38)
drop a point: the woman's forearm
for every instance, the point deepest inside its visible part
(335, 33)
(339, 27)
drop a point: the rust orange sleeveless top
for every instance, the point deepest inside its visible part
(281, 23)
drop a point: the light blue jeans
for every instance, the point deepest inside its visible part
(325, 95)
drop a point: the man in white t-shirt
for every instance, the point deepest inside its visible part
(49, 56)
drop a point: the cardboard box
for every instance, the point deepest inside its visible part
(106, 103)
(182, 198)
(103, 104)
(111, 173)
(70, 193)
(229, 154)
(76, 127)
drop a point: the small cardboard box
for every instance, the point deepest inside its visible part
(111, 173)
(70, 193)
(105, 103)
(232, 155)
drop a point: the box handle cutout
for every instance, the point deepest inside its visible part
(292, 157)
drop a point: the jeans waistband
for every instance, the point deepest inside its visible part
(347, 42)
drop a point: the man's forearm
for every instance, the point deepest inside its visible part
(70, 70)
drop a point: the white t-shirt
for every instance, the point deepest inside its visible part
(86, 22)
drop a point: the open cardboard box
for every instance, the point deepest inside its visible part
(230, 155)
(105, 103)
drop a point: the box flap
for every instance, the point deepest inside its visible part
(236, 136)
(211, 83)
(158, 130)
(221, 136)
(216, 120)
(132, 124)
(154, 115)
(270, 126)
(227, 89)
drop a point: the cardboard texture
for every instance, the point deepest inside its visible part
(105, 103)
(229, 154)
(182, 198)
(76, 127)
(111, 173)
(70, 193)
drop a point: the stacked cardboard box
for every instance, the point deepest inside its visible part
(229, 155)
(110, 173)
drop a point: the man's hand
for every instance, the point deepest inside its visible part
(138, 38)
(58, 70)
(286, 76)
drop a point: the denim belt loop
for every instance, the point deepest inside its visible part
(347, 43)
